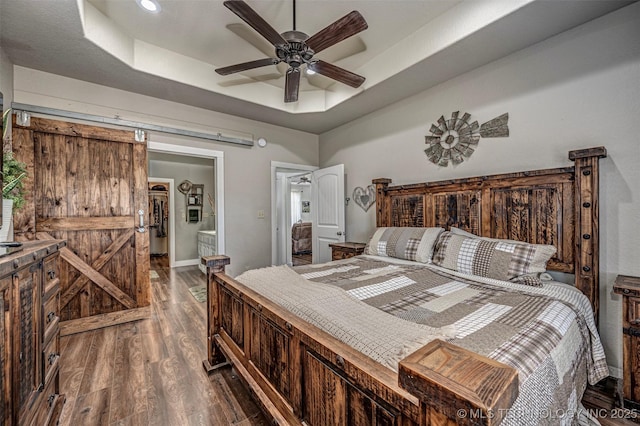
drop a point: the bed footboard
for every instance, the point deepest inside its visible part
(299, 373)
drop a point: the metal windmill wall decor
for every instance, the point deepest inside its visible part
(454, 140)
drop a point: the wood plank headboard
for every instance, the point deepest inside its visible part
(553, 206)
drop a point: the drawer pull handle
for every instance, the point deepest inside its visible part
(586, 268)
(50, 316)
(51, 398)
(626, 291)
(52, 274)
(52, 358)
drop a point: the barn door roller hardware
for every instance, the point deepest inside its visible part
(26, 109)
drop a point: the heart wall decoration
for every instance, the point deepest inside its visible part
(365, 197)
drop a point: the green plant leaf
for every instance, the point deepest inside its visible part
(13, 174)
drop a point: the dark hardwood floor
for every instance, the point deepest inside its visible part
(301, 259)
(150, 372)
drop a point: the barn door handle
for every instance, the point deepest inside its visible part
(141, 227)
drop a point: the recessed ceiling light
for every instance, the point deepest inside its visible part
(149, 5)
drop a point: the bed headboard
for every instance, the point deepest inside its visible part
(552, 206)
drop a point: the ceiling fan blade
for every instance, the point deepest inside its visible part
(292, 85)
(337, 73)
(247, 66)
(251, 17)
(341, 29)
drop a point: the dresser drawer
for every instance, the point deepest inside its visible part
(634, 311)
(337, 254)
(49, 406)
(346, 250)
(51, 316)
(51, 355)
(50, 270)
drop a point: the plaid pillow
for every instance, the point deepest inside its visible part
(499, 259)
(404, 243)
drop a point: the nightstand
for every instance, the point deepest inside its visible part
(629, 288)
(346, 250)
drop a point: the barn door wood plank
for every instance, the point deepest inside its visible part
(82, 130)
(24, 220)
(92, 274)
(86, 184)
(52, 224)
(102, 260)
(141, 202)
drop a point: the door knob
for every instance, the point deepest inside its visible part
(339, 233)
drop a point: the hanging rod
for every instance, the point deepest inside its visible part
(126, 123)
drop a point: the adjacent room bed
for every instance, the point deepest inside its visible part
(448, 318)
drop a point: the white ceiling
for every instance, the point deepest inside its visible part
(408, 47)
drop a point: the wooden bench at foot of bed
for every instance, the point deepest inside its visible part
(299, 373)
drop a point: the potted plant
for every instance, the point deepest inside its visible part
(13, 174)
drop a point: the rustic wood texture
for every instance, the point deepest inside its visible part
(6, 352)
(88, 184)
(447, 378)
(323, 381)
(85, 131)
(629, 288)
(95, 322)
(552, 206)
(148, 372)
(346, 250)
(215, 264)
(29, 355)
(586, 239)
(364, 374)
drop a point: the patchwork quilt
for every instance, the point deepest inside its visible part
(546, 333)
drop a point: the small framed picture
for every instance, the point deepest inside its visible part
(306, 206)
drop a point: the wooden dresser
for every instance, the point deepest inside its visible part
(629, 288)
(29, 335)
(346, 250)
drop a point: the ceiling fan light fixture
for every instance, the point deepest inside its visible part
(149, 5)
(297, 49)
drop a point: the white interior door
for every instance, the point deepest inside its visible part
(327, 210)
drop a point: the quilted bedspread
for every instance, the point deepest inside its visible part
(546, 333)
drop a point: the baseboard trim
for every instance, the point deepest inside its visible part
(95, 322)
(188, 262)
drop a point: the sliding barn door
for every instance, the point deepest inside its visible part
(88, 186)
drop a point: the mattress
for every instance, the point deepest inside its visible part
(546, 333)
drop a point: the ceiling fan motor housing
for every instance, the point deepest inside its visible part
(295, 52)
(296, 48)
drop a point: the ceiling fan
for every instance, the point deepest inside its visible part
(296, 48)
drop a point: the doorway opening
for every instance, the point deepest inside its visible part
(281, 202)
(301, 223)
(161, 223)
(195, 209)
(324, 209)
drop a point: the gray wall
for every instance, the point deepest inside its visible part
(247, 170)
(6, 82)
(576, 90)
(196, 170)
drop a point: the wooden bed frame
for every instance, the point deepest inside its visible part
(298, 373)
